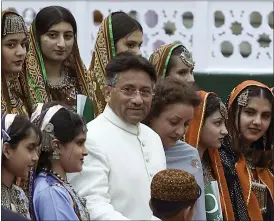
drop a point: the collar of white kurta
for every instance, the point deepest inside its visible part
(114, 119)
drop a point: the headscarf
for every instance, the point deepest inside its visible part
(193, 137)
(242, 170)
(36, 72)
(161, 58)
(14, 99)
(104, 51)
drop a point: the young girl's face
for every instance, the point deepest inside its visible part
(20, 159)
(255, 119)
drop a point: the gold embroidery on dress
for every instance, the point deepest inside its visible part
(11, 200)
(259, 189)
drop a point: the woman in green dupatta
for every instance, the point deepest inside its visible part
(173, 60)
(117, 33)
(14, 91)
(54, 68)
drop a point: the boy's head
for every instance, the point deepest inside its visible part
(173, 195)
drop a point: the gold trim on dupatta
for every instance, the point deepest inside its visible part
(103, 52)
(161, 57)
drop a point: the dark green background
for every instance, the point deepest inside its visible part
(222, 84)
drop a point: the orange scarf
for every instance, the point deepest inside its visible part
(243, 172)
(193, 137)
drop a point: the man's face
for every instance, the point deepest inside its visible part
(131, 97)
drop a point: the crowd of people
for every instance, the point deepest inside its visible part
(155, 142)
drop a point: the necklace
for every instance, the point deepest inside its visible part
(75, 197)
(62, 81)
(56, 175)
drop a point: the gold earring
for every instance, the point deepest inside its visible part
(56, 153)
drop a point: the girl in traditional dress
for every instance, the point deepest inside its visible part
(171, 112)
(54, 67)
(206, 133)
(173, 60)
(20, 141)
(14, 88)
(117, 33)
(250, 128)
(62, 151)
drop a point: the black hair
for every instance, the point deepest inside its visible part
(123, 24)
(166, 209)
(172, 90)
(20, 130)
(52, 15)
(176, 52)
(125, 61)
(212, 105)
(67, 125)
(235, 111)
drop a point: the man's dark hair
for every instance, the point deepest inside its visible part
(128, 61)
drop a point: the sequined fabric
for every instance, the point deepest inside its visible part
(229, 160)
(207, 170)
(15, 199)
(14, 94)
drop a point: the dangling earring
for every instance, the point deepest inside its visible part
(56, 153)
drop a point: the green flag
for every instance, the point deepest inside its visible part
(212, 202)
(85, 108)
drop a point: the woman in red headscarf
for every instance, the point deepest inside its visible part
(244, 152)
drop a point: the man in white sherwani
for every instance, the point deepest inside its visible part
(124, 154)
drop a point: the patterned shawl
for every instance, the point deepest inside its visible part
(161, 57)
(242, 171)
(193, 137)
(14, 93)
(103, 52)
(37, 76)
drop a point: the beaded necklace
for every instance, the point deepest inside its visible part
(75, 197)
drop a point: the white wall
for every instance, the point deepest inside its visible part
(203, 38)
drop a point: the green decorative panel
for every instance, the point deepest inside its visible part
(222, 84)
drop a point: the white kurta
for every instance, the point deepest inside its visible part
(118, 171)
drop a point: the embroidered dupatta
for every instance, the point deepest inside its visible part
(243, 172)
(193, 137)
(161, 57)
(37, 76)
(103, 52)
(14, 90)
